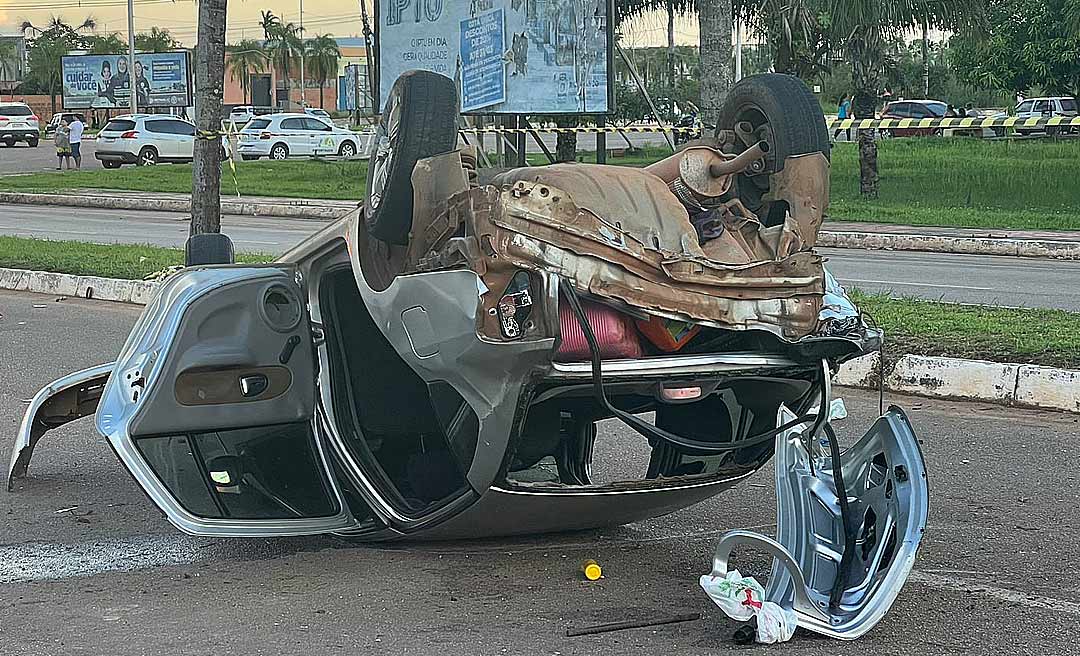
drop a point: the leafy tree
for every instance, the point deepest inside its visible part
(9, 60)
(1026, 44)
(109, 44)
(48, 45)
(269, 23)
(323, 56)
(244, 59)
(793, 31)
(156, 40)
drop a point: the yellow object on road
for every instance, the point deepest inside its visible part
(592, 570)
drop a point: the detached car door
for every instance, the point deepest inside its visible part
(211, 405)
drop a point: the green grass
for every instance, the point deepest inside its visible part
(964, 183)
(293, 178)
(80, 258)
(1044, 337)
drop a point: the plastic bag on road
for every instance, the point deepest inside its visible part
(742, 597)
(775, 623)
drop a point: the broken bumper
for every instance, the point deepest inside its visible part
(885, 478)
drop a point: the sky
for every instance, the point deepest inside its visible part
(340, 18)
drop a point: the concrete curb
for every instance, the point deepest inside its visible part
(299, 210)
(1019, 385)
(1062, 250)
(65, 284)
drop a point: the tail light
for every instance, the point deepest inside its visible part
(33, 118)
(264, 135)
(130, 134)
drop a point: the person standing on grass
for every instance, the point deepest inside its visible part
(843, 111)
(63, 145)
(75, 138)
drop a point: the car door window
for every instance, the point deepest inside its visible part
(1024, 107)
(293, 124)
(1041, 106)
(316, 124)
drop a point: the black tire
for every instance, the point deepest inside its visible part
(148, 156)
(33, 143)
(783, 112)
(279, 152)
(347, 149)
(8, 143)
(208, 248)
(109, 164)
(419, 120)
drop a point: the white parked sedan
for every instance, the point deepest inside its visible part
(279, 136)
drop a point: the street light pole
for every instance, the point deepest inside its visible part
(131, 57)
(303, 87)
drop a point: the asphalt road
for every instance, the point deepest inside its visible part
(1024, 282)
(89, 566)
(23, 159)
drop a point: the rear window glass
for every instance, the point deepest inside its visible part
(1068, 104)
(937, 109)
(257, 124)
(119, 125)
(15, 110)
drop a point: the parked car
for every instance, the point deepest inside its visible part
(279, 136)
(54, 122)
(435, 364)
(145, 140)
(320, 113)
(18, 123)
(241, 114)
(916, 109)
(1048, 107)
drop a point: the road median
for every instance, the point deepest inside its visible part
(275, 207)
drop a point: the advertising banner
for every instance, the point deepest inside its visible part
(161, 79)
(505, 56)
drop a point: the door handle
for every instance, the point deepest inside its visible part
(253, 385)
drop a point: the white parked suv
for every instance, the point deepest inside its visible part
(279, 136)
(18, 123)
(145, 139)
(1046, 108)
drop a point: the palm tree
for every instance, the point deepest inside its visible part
(48, 47)
(284, 48)
(863, 30)
(269, 23)
(793, 31)
(243, 59)
(323, 56)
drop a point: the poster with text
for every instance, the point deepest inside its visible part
(505, 56)
(161, 79)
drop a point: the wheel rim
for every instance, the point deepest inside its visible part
(347, 150)
(148, 158)
(279, 152)
(383, 157)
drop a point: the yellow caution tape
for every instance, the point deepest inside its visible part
(956, 122)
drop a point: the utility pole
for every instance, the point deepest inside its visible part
(134, 102)
(303, 87)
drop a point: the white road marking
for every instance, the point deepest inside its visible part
(917, 284)
(1016, 597)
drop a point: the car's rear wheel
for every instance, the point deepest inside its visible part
(8, 142)
(419, 120)
(109, 164)
(279, 152)
(148, 156)
(33, 143)
(783, 112)
(348, 149)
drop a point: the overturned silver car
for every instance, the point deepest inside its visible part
(435, 364)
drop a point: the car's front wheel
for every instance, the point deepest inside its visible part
(147, 157)
(33, 143)
(109, 164)
(279, 152)
(348, 149)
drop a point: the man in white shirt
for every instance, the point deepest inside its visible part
(76, 128)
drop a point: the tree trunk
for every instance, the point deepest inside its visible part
(209, 87)
(566, 142)
(714, 24)
(926, 58)
(322, 85)
(863, 107)
(671, 59)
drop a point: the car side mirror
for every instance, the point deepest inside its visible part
(225, 471)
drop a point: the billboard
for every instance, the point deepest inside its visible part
(162, 79)
(506, 56)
